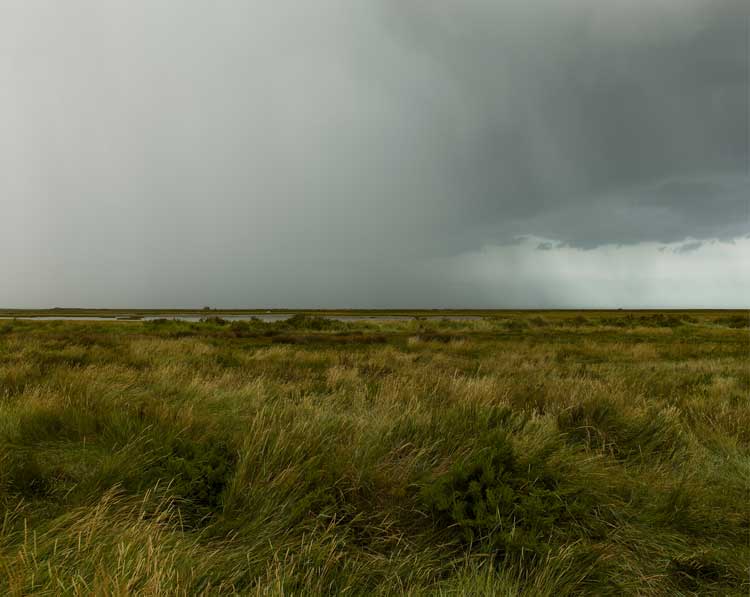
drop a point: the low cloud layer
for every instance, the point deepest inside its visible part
(335, 153)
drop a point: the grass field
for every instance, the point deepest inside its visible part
(557, 453)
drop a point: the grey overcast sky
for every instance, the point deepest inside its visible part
(374, 153)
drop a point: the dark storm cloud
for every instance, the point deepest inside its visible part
(331, 152)
(575, 102)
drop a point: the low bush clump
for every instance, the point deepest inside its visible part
(215, 320)
(312, 322)
(198, 472)
(495, 501)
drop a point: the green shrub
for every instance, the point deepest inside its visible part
(240, 329)
(493, 500)
(199, 472)
(158, 321)
(215, 320)
(197, 469)
(307, 322)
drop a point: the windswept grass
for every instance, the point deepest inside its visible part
(542, 454)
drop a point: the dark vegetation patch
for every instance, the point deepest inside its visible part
(198, 473)
(223, 359)
(329, 339)
(577, 321)
(214, 320)
(310, 322)
(657, 320)
(158, 322)
(539, 321)
(494, 501)
(22, 474)
(442, 338)
(736, 322)
(193, 470)
(515, 325)
(249, 328)
(699, 571)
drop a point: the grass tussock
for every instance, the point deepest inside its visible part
(541, 454)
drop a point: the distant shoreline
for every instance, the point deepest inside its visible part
(137, 314)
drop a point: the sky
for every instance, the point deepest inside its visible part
(374, 153)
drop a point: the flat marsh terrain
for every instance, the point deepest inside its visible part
(557, 453)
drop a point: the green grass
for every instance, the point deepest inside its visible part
(547, 453)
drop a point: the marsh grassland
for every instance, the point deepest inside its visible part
(523, 453)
